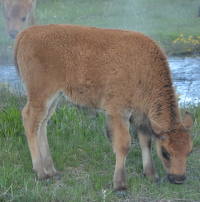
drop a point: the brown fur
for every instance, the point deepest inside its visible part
(18, 13)
(123, 73)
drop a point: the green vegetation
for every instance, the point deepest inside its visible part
(81, 152)
(164, 21)
(84, 158)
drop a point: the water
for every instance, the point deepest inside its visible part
(186, 78)
(185, 73)
(8, 75)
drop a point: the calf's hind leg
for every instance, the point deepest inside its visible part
(35, 116)
(120, 138)
(43, 141)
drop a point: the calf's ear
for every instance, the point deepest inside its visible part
(155, 127)
(187, 120)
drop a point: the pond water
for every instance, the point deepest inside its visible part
(185, 73)
(186, 78)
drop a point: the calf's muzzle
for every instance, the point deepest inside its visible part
(176, 179)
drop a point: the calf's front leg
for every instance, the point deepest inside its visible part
(148, 164)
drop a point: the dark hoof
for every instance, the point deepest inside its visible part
(56, 177)
(122, 194)
(41, 176)
(52, 180)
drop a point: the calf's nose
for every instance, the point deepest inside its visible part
(176, 179)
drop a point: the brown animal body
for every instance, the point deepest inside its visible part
(123, 73)
(18, 13)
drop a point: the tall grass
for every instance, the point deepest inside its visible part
(164, 21)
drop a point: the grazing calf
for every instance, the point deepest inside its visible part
(123, 73)
(18, 13)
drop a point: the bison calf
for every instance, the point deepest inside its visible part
(123, 73)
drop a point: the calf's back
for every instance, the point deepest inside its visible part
(92, 66)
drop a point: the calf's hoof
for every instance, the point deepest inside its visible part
(41, 175)
(153, 178)
(44, 175)
(121, 193)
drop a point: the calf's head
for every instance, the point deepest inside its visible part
(16, 15)
(174, 147)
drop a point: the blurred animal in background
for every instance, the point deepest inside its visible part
(17, 14)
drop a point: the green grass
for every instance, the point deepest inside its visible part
(81, 152)
(164, 21)
(84, 158)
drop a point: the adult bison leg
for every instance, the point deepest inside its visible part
(148, 164)
(118, 129)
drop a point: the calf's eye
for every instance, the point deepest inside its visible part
(165, 154)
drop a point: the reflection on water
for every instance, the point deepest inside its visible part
(185, 73)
